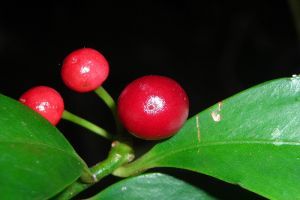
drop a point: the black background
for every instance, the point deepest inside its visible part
(213, 48)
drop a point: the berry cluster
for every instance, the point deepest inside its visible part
(151, 107)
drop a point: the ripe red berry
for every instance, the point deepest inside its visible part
(153, 107)
(46, 101)
(84, 70)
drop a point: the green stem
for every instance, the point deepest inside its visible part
(86, 124)
(295, 10)
(109, 101)
(119, 154)
(134, 168)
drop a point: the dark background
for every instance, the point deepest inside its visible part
(213, 48)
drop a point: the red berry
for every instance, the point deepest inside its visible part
(153, 107)
(46, 101)
(84, 70)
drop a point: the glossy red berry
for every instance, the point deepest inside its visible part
(84, 70)
(153, 107)
(46, 101)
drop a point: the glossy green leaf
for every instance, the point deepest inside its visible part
(36, 161)
(152, 186)
(251, 139)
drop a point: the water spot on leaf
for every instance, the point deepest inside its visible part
(216, 115)
(124, 188)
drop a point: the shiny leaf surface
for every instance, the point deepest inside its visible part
(36, 161)
(152, 186)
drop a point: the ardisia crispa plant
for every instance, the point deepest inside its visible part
(250, 139)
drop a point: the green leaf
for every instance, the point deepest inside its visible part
(36, 161)
(152, 186)
(251, 139)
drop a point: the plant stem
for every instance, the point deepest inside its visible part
(134, 168)
(86, 124)
(119, 154)
(109, 101)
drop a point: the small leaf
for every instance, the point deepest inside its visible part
(36, 161)
(251, 139)
(152, 186)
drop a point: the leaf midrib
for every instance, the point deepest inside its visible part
(218, 143)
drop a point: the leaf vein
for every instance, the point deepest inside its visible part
(217, 143)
